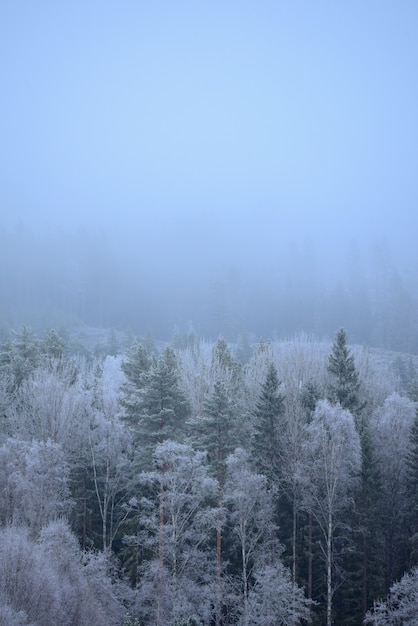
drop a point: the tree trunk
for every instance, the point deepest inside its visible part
(310, 557)
(218, 567)
(329, 570)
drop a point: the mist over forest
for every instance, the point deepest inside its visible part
(209, 274)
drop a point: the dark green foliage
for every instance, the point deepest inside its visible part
(215, 430)
(345, 386)
(309, 396)
(364, 559)
(136, 367)
(136, 364)
(20, 356)
(161, 407)
(267, 440)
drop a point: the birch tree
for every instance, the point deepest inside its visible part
(250, 516)
(332, 463)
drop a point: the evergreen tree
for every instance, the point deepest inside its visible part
(215, 430)
(136, 368)
(412, 491)
(136, 364)
(345, 386)
(217, 435)
(162, 406)
(224, 367)
(20, 356)
(364, 560)
(53, 345)
(269, 426)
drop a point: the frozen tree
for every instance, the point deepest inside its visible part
(275, 600)
(331, 467)
(223, 366)
(401, 605)
(110, 467)
(162, 406)
(178, 521)
(52, 346)
(216, 432)
(391, 427)
(110, 446)
(193, 367)
(49, 405)
(20, 356)
(34, 483)
(411, 484)
(254, 375)
(250, 516)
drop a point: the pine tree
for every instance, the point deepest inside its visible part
(218, 436)
(136, 368)
(162, 405)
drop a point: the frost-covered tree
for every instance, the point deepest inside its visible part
(49, 405)
(20, 355)
(391, 427)
(53, 345)
(401, 605)
(411, 488)
(331, 467)
(110, 472)
(179, 519)
(275, 600)
(250, 506)
(34, 483)
(49, 581)
(216, 432)
(162, 407)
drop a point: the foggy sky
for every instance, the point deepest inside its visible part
(211, 134)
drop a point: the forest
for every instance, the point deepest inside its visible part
(196, 482)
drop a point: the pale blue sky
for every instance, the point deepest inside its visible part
(284, 116)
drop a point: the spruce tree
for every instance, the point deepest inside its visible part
(268, 426)
(215, 430)
(364, 559)
(345, 386)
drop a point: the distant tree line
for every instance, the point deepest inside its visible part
(61, 279)
(206, 484)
